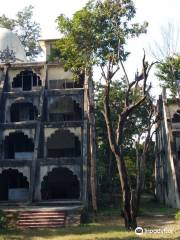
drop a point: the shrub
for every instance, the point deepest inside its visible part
(177, 216)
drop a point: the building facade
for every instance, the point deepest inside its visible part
(167, 164)
(43, 128)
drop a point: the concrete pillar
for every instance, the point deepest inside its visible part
(37, 191)
(84, 167)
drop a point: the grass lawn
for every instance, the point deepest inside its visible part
(109, 226)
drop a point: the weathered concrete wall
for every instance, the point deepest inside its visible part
(166, 179)
(58, 73)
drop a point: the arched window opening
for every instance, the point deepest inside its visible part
(176, 117)
(65, 109)
(23, 111)
(63, 143)
(13, 186)
(61, 184)
(26, 80)
(18, 146)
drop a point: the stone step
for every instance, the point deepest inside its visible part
(41, 214)
(27, 223)
(37, 219)
(40, 220)
(40, 217)
(41, 225)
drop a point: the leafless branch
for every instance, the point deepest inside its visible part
(124, 70)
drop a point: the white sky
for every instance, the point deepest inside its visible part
(156, 12)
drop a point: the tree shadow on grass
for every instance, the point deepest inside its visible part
(81, 230)
(48, 233)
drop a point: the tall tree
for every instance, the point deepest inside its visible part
(137, 142)
(168, 72)
(26, 28)
(97, 34)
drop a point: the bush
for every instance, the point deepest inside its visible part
(177, 216)
(2, 219)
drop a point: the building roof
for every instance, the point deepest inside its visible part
(10, 42)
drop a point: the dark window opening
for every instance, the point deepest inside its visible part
(65, 109)
(26, 80)
(63, 144)
(60, 183)
(176, 117)
(12, 179)
(16, 145)
(23, 112)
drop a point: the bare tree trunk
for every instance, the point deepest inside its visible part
(92, 137)
(128, 194)
(129, 198)
(139, 179)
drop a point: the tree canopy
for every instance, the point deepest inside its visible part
(168, 73)
(98, 30)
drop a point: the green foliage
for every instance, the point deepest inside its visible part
(7, 22)
(137, 121)
(27, 30)
(2, 219)
(150, 206)
(55, 55)
(177, 216)
(168, 72)
(8, 220)
(107, 174)
(97, 31)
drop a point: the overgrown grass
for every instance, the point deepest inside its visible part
(2, 219)
(95, 231)
(108, 226)
(150, 206)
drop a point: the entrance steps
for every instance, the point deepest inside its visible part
(44, 216)
(41, 219)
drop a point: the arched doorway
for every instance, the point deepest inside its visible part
(63, 143)
(13, 186)
(23, 111)
(60, 183)
(18, 146)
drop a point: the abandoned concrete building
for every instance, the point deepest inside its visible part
(167, 164)
(43, 127)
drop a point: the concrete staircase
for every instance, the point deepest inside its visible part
(31, 216)
(41, 219)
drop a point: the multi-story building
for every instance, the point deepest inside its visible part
(43, 127)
